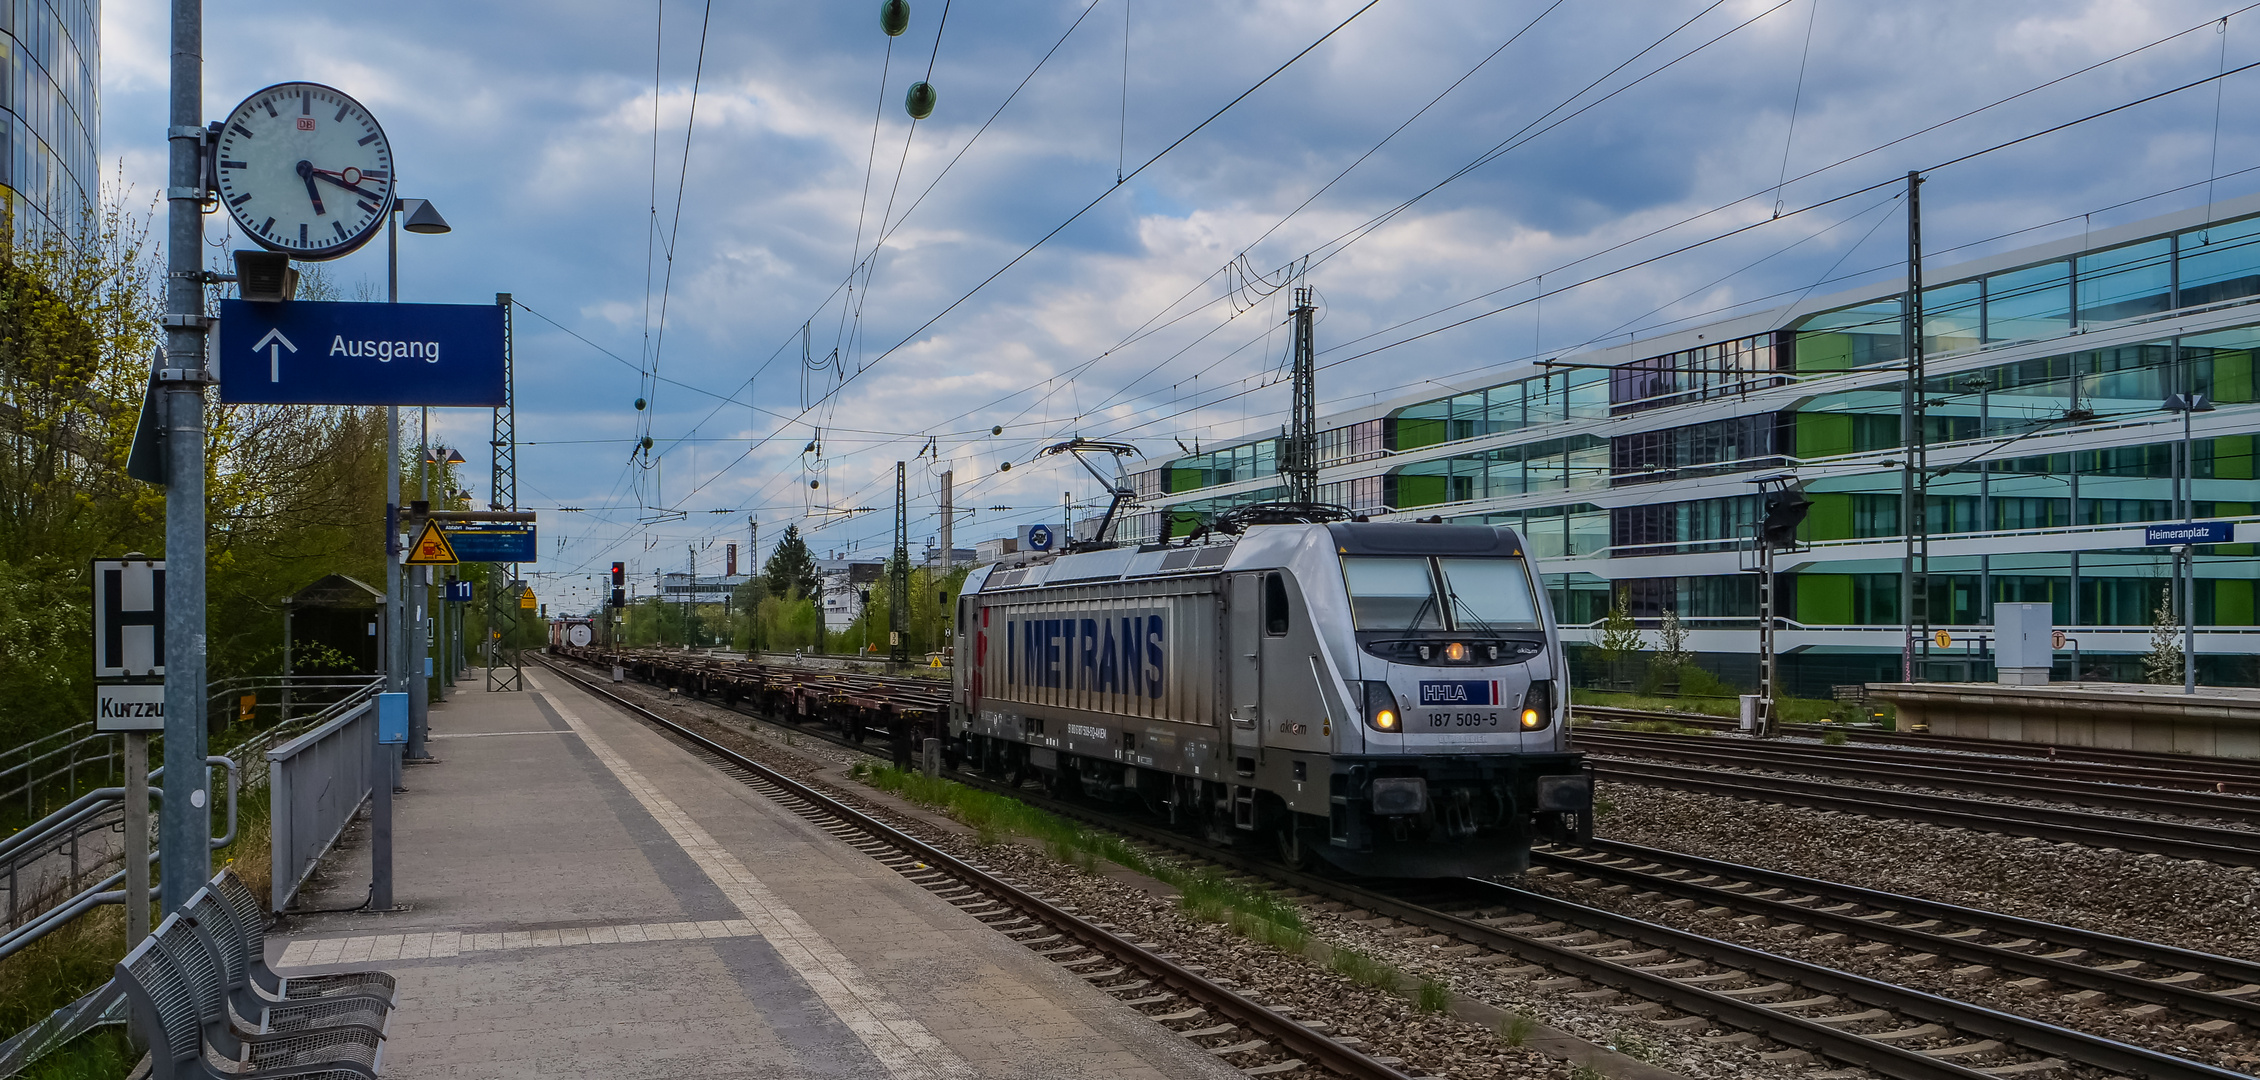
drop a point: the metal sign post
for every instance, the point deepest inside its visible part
(185, 820)
(129, 697)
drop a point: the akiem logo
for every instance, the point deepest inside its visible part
(1117, 654)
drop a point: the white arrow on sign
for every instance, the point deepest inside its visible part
(274, 343)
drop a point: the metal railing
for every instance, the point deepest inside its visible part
(55, 768)
(94, 805)
(317, 783)
(60, 840)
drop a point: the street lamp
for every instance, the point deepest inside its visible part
(2185, 558)
(404, 667)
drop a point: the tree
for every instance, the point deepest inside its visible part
(1620, 636)
(790, 569)
(1672, 657)
(2163, 663)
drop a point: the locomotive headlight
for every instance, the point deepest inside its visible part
(1456, 652)
(1381, 708)
(1538, 705)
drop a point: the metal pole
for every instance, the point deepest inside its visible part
(286, 662)
(137, 837)
(949, 511)
(185, 819)
(1767, 725)
(419, 599)
(396, 658)
(2189, 551)
(1914, 559)
(380, 825)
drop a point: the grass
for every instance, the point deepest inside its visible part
(1435, 996)
(1635, 1045)
(1203, 894)
(68, 963)
(1364, 970)
(1517, 1028)
(1793, 710)
(1587, 1072)
(1833, 738)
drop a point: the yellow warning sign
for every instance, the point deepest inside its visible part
(431, 548)
(1944, 639)
(527, 600)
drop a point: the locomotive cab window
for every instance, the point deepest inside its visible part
(1274, 605)
(1489, 594)
(1392, 593)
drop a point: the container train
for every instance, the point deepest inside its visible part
(1387, 698)
(1390, 698)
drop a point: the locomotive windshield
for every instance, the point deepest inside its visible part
(1389, 593)
(1488, 593)
(1402, 593)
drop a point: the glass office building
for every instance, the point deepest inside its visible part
(1630, 469)
(52, 107)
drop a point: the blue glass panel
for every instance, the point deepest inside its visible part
(2034, 302)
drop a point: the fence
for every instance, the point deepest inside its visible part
(46, 862)
(317, 783)
(56, 768)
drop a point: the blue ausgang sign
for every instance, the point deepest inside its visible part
(492, 541)
(2194, 532)
(308, 352)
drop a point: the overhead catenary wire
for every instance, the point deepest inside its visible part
(2224, 72)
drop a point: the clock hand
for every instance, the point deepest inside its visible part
(306, 172)
(339, 180)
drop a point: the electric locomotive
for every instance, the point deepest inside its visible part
(1388, 697)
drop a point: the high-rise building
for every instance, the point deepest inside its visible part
(51, 99)
(1630, 470)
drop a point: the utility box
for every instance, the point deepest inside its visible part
(2023, 649)
(1749, 705)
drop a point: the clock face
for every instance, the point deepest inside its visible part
(305, 169)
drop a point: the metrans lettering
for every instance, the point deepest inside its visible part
(1113, 654)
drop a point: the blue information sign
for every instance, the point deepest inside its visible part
(310, 352)
(2193, 532)
(459, 591)
(492, 541)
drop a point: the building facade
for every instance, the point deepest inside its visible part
(50, 169)
(1630, 470)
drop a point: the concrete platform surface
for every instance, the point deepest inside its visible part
(584, 898)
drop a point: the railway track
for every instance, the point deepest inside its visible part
(2138, 971)
(1891, 1030)
(2165, 769)
(1229, 1025)
(2229, 847)
(1953, 773)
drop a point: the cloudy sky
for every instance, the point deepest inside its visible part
(1570, 140)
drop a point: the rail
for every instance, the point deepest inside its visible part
(54, 765)
(92, 806)
(60, 839)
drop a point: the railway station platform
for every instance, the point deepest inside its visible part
(582, 897)
(2214, 722)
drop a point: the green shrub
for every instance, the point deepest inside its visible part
(1834, 738)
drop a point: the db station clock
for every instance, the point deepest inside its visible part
(304, 169)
